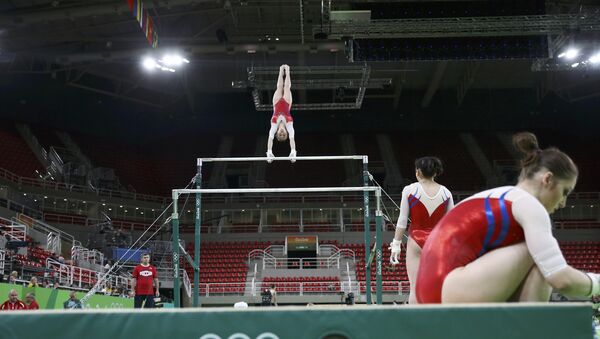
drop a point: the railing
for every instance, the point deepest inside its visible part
(576, 224)
(2, 256)
(283, 288)
(349, 282)
(304, 288)
(47, 229)
(74, 275)
(388, 287)
(14, 230)
(343, 253)
(20, 208)
(80, 253)
(301, 263)
(254, 279)
(60, 186)
(187, 284)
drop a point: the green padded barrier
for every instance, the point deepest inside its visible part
(491, 321)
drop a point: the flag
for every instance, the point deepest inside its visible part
(145, 21)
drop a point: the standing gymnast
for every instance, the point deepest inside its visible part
(498, 245)
(282, 124)
(426, 202)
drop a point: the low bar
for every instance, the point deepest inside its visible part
(303, 158)
(177, 192)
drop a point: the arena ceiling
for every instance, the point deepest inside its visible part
(96, 45)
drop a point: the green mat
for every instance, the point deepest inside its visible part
(495, 321)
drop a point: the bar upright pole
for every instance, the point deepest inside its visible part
(175, 244)
(367, 229)
(197, 235)
(378, 242)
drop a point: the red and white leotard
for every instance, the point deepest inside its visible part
(485, 221)
(424, 211)
(281, 108)
(281, 114)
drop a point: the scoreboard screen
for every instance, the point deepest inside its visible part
(301, 243)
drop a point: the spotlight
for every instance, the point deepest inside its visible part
(569, 54)
(174, 60)
(574, 65)
(149, 63)
(595, 59)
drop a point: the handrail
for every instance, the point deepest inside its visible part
(45, 228)
(17, 231)
(287, 288)
(301, 263)
(78, 275)
(2, 261)
(348, 273)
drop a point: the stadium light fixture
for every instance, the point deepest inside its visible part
(595, 58)
(149, 63)
(569, 54)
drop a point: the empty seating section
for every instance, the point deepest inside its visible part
(15, 154)
(132, 164)
(392, 275)
(35, 260)
(577, 224)
(159, 166)
(460, 171)
(583, 255)
(223, 265)
(295, 285)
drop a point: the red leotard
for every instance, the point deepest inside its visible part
(281, 107)
(473, 228)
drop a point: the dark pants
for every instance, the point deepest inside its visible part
(138, 299)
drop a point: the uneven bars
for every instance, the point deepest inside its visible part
(177, 192)
(315, 157)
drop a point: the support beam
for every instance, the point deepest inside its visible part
(518, 25)
(435, 83)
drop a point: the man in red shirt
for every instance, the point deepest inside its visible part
(144, 275)
(13, 302)
(30, 302)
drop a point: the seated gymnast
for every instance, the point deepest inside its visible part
(497, 245)
(282, 124)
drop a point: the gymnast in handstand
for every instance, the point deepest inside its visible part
(282, 124)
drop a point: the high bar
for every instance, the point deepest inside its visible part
(303, 158)
(177, 192)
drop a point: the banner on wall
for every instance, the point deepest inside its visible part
(49, 298)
